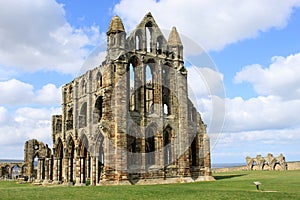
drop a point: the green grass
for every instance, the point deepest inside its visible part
(233, 185)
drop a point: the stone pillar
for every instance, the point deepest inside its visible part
(207, 162)
(70, 176)
(55, 169)
(97, 175)
(160, 151)
(50, 171)
(66, 170)
(88, 167)
(143, 161)
(46, 169)
(38, 171)
(59, 173)
(82, 170)
(157, 150)
(93, 177)
(182, 95)
(78, 160)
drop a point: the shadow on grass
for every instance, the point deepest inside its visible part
(228, 176)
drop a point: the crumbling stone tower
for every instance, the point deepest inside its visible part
(129, 120)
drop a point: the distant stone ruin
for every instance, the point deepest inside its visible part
(266, 163)
(12, 170)
(36, 156)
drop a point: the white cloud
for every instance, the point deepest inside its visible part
(281, 78)
(15, 92)
(211, 23)
(36, 36)
(236, 146)
(3, 116)
(204, 81)
(261, 113)
(24, 124)
(270, 121)
(49, 94)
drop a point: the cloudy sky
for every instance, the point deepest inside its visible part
(250, 49)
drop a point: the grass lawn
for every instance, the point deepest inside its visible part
(231, 185)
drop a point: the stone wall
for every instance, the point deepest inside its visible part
(290, 166)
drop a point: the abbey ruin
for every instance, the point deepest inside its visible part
(129, 120)
(266, 163)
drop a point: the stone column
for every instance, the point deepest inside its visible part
(207, 162)
(59, 175)
(70, 176)
(143, 155)
(120, 109)
(93, 177)
(82, 171)
(55, 170)
(38, 171)
(50, 171)
(65, 169)
(46, 169)
(182, 94)
(97, 170)
(78, 160)
(161, 151)
(88, 167)
(157, 150)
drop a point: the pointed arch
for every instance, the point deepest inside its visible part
(150, 135)
(84, 156)
(134, 82)
(194, 153)
(69, 120)
(99, 80)
(83, 145)
(134, 147)
(98, 110)
(167, 135)
(58, 151)
(83, 86)
(83, 115)
(138, 40)
(166, 99)
(159, 44)
(149, 85)
(58, 156)
(99, 153)
(70, 156)
(148, 36)
(166, 69)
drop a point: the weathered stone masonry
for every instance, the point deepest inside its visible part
(129, 120)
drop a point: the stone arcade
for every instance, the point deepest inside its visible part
(266, 163)
(129, 120)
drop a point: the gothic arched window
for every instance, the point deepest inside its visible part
(83, 116)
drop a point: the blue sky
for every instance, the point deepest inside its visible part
(253, 48)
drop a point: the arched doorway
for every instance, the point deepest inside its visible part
(84, 159)
(69, 160)
(99, 154)
(58, 155)
(150, 144)
(15, 172)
